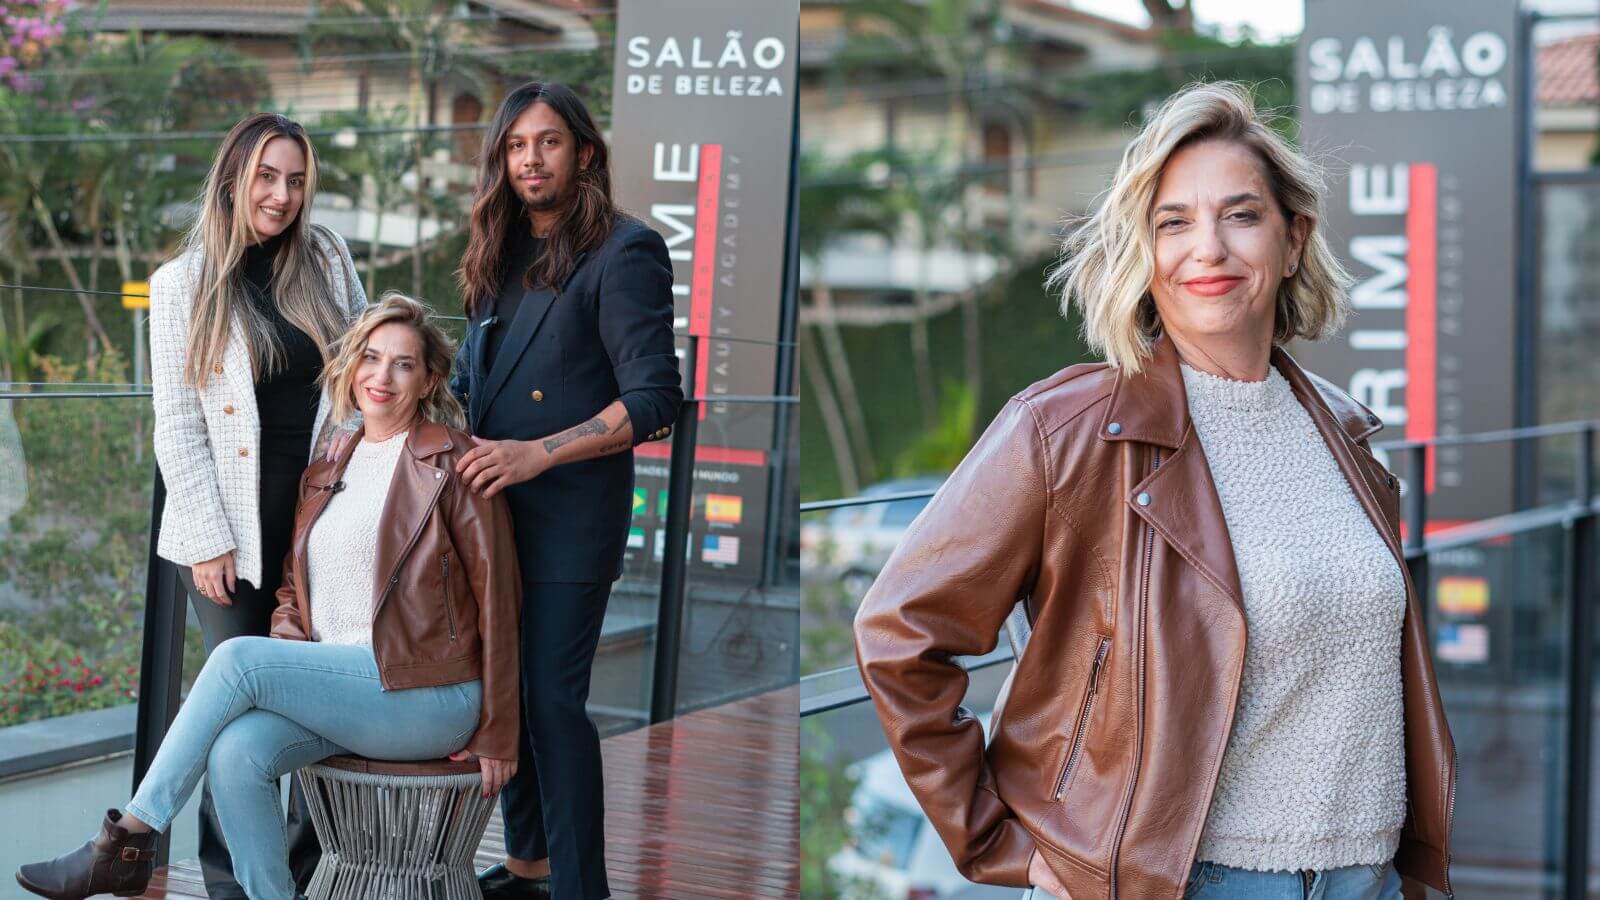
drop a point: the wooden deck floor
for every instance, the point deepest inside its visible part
(704, 806)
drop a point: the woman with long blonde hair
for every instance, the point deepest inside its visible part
(394, 635)
(240, 325)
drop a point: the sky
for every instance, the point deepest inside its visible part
(1278, 19)
(1269, 20)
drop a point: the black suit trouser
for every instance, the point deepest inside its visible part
(555, 806)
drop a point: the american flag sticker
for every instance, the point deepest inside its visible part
(720, 548)
(1463, 643)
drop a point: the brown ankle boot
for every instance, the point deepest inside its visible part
(115, 862)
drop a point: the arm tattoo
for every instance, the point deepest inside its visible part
(595, 425)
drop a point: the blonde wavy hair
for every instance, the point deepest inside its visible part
(438, 351)
(1108, 258)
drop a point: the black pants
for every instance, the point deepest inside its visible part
(251, 614)
(555, 807)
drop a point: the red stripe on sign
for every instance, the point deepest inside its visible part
(704, 277)
(723, 455)
(1438, 526)
(1422, 337)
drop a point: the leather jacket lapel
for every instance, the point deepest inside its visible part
(413, 491)
(1181, 503)
(321, 477)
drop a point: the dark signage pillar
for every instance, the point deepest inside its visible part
(1413, 106)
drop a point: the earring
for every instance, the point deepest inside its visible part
(1293, 267)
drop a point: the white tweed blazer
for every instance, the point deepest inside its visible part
(208, 441)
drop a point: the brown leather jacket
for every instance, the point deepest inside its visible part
(447, 589)
(1132, 672)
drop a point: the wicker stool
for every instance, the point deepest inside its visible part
(395, 830)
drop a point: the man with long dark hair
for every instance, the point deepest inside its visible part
(568, 363)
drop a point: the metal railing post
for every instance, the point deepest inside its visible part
(1416, 513)
(675, 550)
(1580, 685)
(161, 658)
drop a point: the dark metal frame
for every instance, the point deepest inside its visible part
(834, 689)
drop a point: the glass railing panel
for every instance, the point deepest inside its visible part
(76, 480)
(862, 834)
(742, 594)
(1501, 647)
(842, 551)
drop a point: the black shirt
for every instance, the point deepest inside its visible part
(522, 248)
(286, 399)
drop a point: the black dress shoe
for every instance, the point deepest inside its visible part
(499, 883)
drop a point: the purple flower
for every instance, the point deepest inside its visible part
(8, 64)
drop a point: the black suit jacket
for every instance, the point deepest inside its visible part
(606, 335)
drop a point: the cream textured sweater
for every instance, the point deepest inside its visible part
(1314, 773)
(342, 554)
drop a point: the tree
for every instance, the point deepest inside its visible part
(958, 43)
(436, 43)
(1170, 16)
(1114, 98)
(77, 188)
(368, 168)
(839, 198)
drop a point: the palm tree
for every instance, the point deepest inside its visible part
(368, 169)
(956, 42)
(837, 198)
(436, 43)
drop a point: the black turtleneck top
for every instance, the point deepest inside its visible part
(286, 399)
(522, 250)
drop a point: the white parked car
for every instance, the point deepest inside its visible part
(852, 543)
(895, 851)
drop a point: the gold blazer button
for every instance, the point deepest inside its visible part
(244, 451)
(538, 396)
(217, 368)
(228, 409)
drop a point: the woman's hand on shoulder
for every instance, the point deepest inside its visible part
(496, 772)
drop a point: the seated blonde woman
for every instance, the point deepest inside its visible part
(395, 635)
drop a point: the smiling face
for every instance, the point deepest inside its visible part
(1222, 244)
(542, 159)
(277, 187)
(391, 379)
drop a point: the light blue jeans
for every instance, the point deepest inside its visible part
(263, 707)
(1214, 881)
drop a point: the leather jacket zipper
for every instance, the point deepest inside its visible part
(1138, 742)
(1083, 719)
(450, 613)
(406, 554)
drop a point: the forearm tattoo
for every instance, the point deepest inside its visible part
(596, 425)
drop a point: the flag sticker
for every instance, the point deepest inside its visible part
(635, 538)
(1463, 595)
(720, 548)
(640, 501)
(1463, 643)
(725, 509)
